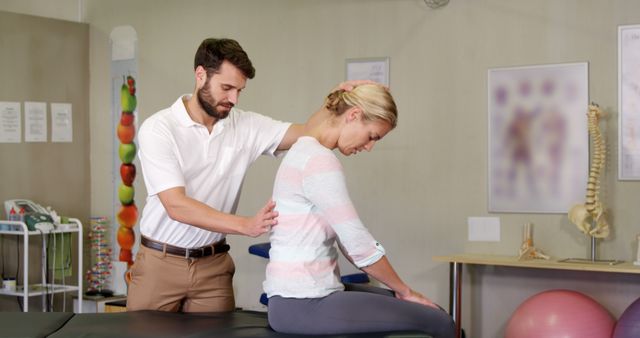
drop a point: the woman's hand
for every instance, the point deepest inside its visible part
(416, 297)
(383, 272)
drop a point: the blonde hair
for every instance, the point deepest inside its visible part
(375, 101)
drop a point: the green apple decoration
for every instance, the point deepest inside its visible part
(125, 194)
(127, 152)
(128, 101)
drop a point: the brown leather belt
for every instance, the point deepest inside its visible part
(204, 251)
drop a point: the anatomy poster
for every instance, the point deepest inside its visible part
(538, 138)
(629, 102)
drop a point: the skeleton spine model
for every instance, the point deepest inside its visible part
(582, 215)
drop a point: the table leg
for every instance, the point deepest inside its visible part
(455, 294)
(45, 287)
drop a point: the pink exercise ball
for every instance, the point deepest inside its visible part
(560, 314)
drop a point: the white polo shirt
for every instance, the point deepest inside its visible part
(175, 151)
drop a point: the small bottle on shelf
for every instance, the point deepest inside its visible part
(12, 215)
(21, 215)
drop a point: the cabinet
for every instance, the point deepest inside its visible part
(42, 289)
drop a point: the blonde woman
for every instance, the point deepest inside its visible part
(302, 277)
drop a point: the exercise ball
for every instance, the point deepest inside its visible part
(629, 323)
(560, 314)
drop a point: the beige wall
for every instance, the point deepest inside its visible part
(47, 60)
(416, 190)
(69, 10)
(44, 60)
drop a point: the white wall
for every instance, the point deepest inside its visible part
(416, 190)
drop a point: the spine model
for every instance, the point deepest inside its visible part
(592, 211)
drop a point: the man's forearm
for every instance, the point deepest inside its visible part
(295, 131)
(186, 210)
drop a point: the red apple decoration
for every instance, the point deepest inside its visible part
(128, 215)
(127, 173)
(125, 256)
(126, 119)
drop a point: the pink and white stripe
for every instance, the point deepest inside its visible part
(314, 205)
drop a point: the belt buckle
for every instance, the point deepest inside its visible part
(188, 252)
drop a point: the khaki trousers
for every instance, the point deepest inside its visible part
(165, 282)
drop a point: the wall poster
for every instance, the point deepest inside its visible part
(538, 138)
(629, 102)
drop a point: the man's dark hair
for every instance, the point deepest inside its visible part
(212, 52)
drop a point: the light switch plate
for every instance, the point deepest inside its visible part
(484, 229)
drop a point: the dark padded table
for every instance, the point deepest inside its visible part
(154, 324)
(31, 324)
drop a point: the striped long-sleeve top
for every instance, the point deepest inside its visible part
(314, 205)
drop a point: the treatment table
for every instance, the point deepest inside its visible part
(152, 324)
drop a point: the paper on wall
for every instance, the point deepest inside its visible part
(10, 122)
(61, 122)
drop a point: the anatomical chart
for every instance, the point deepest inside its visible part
(538, 137)
(629, 102)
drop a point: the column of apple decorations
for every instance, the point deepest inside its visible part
(128, 214)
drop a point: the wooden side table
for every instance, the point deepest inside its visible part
(456, 263)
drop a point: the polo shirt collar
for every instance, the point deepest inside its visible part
(180, 111)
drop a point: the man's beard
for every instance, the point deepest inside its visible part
(209, 105)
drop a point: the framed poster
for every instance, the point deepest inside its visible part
(629, 102)
(374, 69)
(538, 138)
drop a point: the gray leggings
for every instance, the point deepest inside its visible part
(360, 308)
